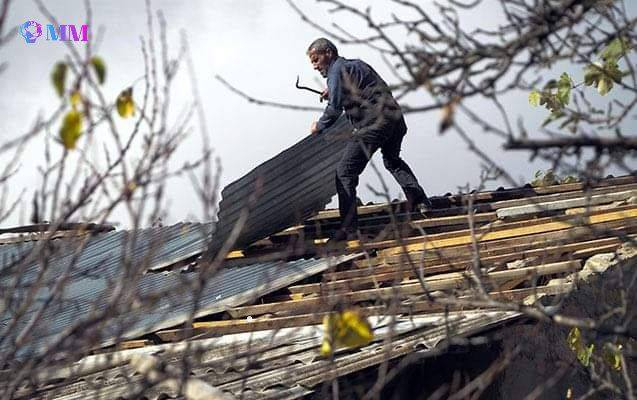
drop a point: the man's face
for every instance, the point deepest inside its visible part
(320, 61)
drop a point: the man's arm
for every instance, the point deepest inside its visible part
(334, 107)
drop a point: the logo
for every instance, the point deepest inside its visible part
(31, 30)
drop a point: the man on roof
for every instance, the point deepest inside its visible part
(354, 87)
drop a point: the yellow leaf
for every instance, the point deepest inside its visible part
(71, 129)
(125, 104)
(534, 98)
(326, 347)
(574, 339)
(612, 355)
(58, 77)
(346, 329)
(584, 354)
(75, 99)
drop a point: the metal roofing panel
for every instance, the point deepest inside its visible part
(288, 187)
(275, 367)
(100, 266)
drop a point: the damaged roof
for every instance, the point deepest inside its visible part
(258, 325)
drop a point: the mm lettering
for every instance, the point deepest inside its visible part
(32, 30)
(66, 33)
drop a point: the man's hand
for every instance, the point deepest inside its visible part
(314, 127)
(325, 95)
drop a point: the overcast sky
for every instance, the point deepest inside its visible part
(260, 47)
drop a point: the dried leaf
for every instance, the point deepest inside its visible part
(448, 113)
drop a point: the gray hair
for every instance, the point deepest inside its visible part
(322, 45)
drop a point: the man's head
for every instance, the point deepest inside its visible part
(322, 52)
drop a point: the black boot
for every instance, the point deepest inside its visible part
(417, 201)
(343, 234)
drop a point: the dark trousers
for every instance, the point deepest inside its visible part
(357, 154)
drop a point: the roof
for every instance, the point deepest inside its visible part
(253, 328)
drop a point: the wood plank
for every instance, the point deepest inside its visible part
(452, 255)
(508, 285)
(495, 227)
(573, 238)
(391, 273)
(498, 205)
(501, 246)
(456, 216)
(620, 180)
(453, 220)
(491, 195)
(218, 328)
(426, 243)
(457, 281)
(543, 206)
(527, 195)
(133, 344)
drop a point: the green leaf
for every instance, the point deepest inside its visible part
(549, 178)
(603, 76)
(569, 179)
(125, 104)
(71, 129)
(564, 89)
(615, 50)
(534, 98)
(552, 84)
(58, 77)
(100, 69)
(612, 71)
(592, 74)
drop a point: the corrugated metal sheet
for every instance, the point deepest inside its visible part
(293, 368)
(286, 188)
(100, 266)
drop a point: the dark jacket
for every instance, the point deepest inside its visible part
(355, 87)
